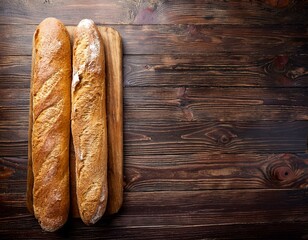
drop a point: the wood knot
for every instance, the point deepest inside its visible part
(221, 136)
(184, 104)
(280, 63)
(283, 70)
(283, 173)
(192, 29)
(197, 33)
(148, 67)
(132, 176)
(278, 3)
(224, 139)
(286, 170)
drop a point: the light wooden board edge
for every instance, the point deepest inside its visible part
(113, 53)
(30, 177)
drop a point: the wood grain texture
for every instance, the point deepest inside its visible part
(190, 104)
(190, 172)
(184, 39)
(205, 171)
(212, 70)
(196, 213)
(212, 104)
(186, 208)
(150, 137)
(75, 229)
(114, 85)
(156, 12)
(215, 138)
(215, 118)
(198, 70)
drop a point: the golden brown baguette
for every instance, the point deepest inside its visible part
(88, 121)
(114, 89)
(113, 54)
(50, 95)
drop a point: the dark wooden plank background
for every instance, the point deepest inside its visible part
(215, 115)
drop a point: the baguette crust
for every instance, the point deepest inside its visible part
(50, 96)
(88, 122)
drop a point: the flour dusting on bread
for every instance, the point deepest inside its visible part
(75, 81)
(86, 23)
(89, 122)
(94, 50)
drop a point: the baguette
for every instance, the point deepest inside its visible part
(88, 122)
(49, 130)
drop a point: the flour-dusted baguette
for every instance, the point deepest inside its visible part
(88, 122)
(50, 128)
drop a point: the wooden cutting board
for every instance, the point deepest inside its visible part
(113, 57)
(113, 52)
